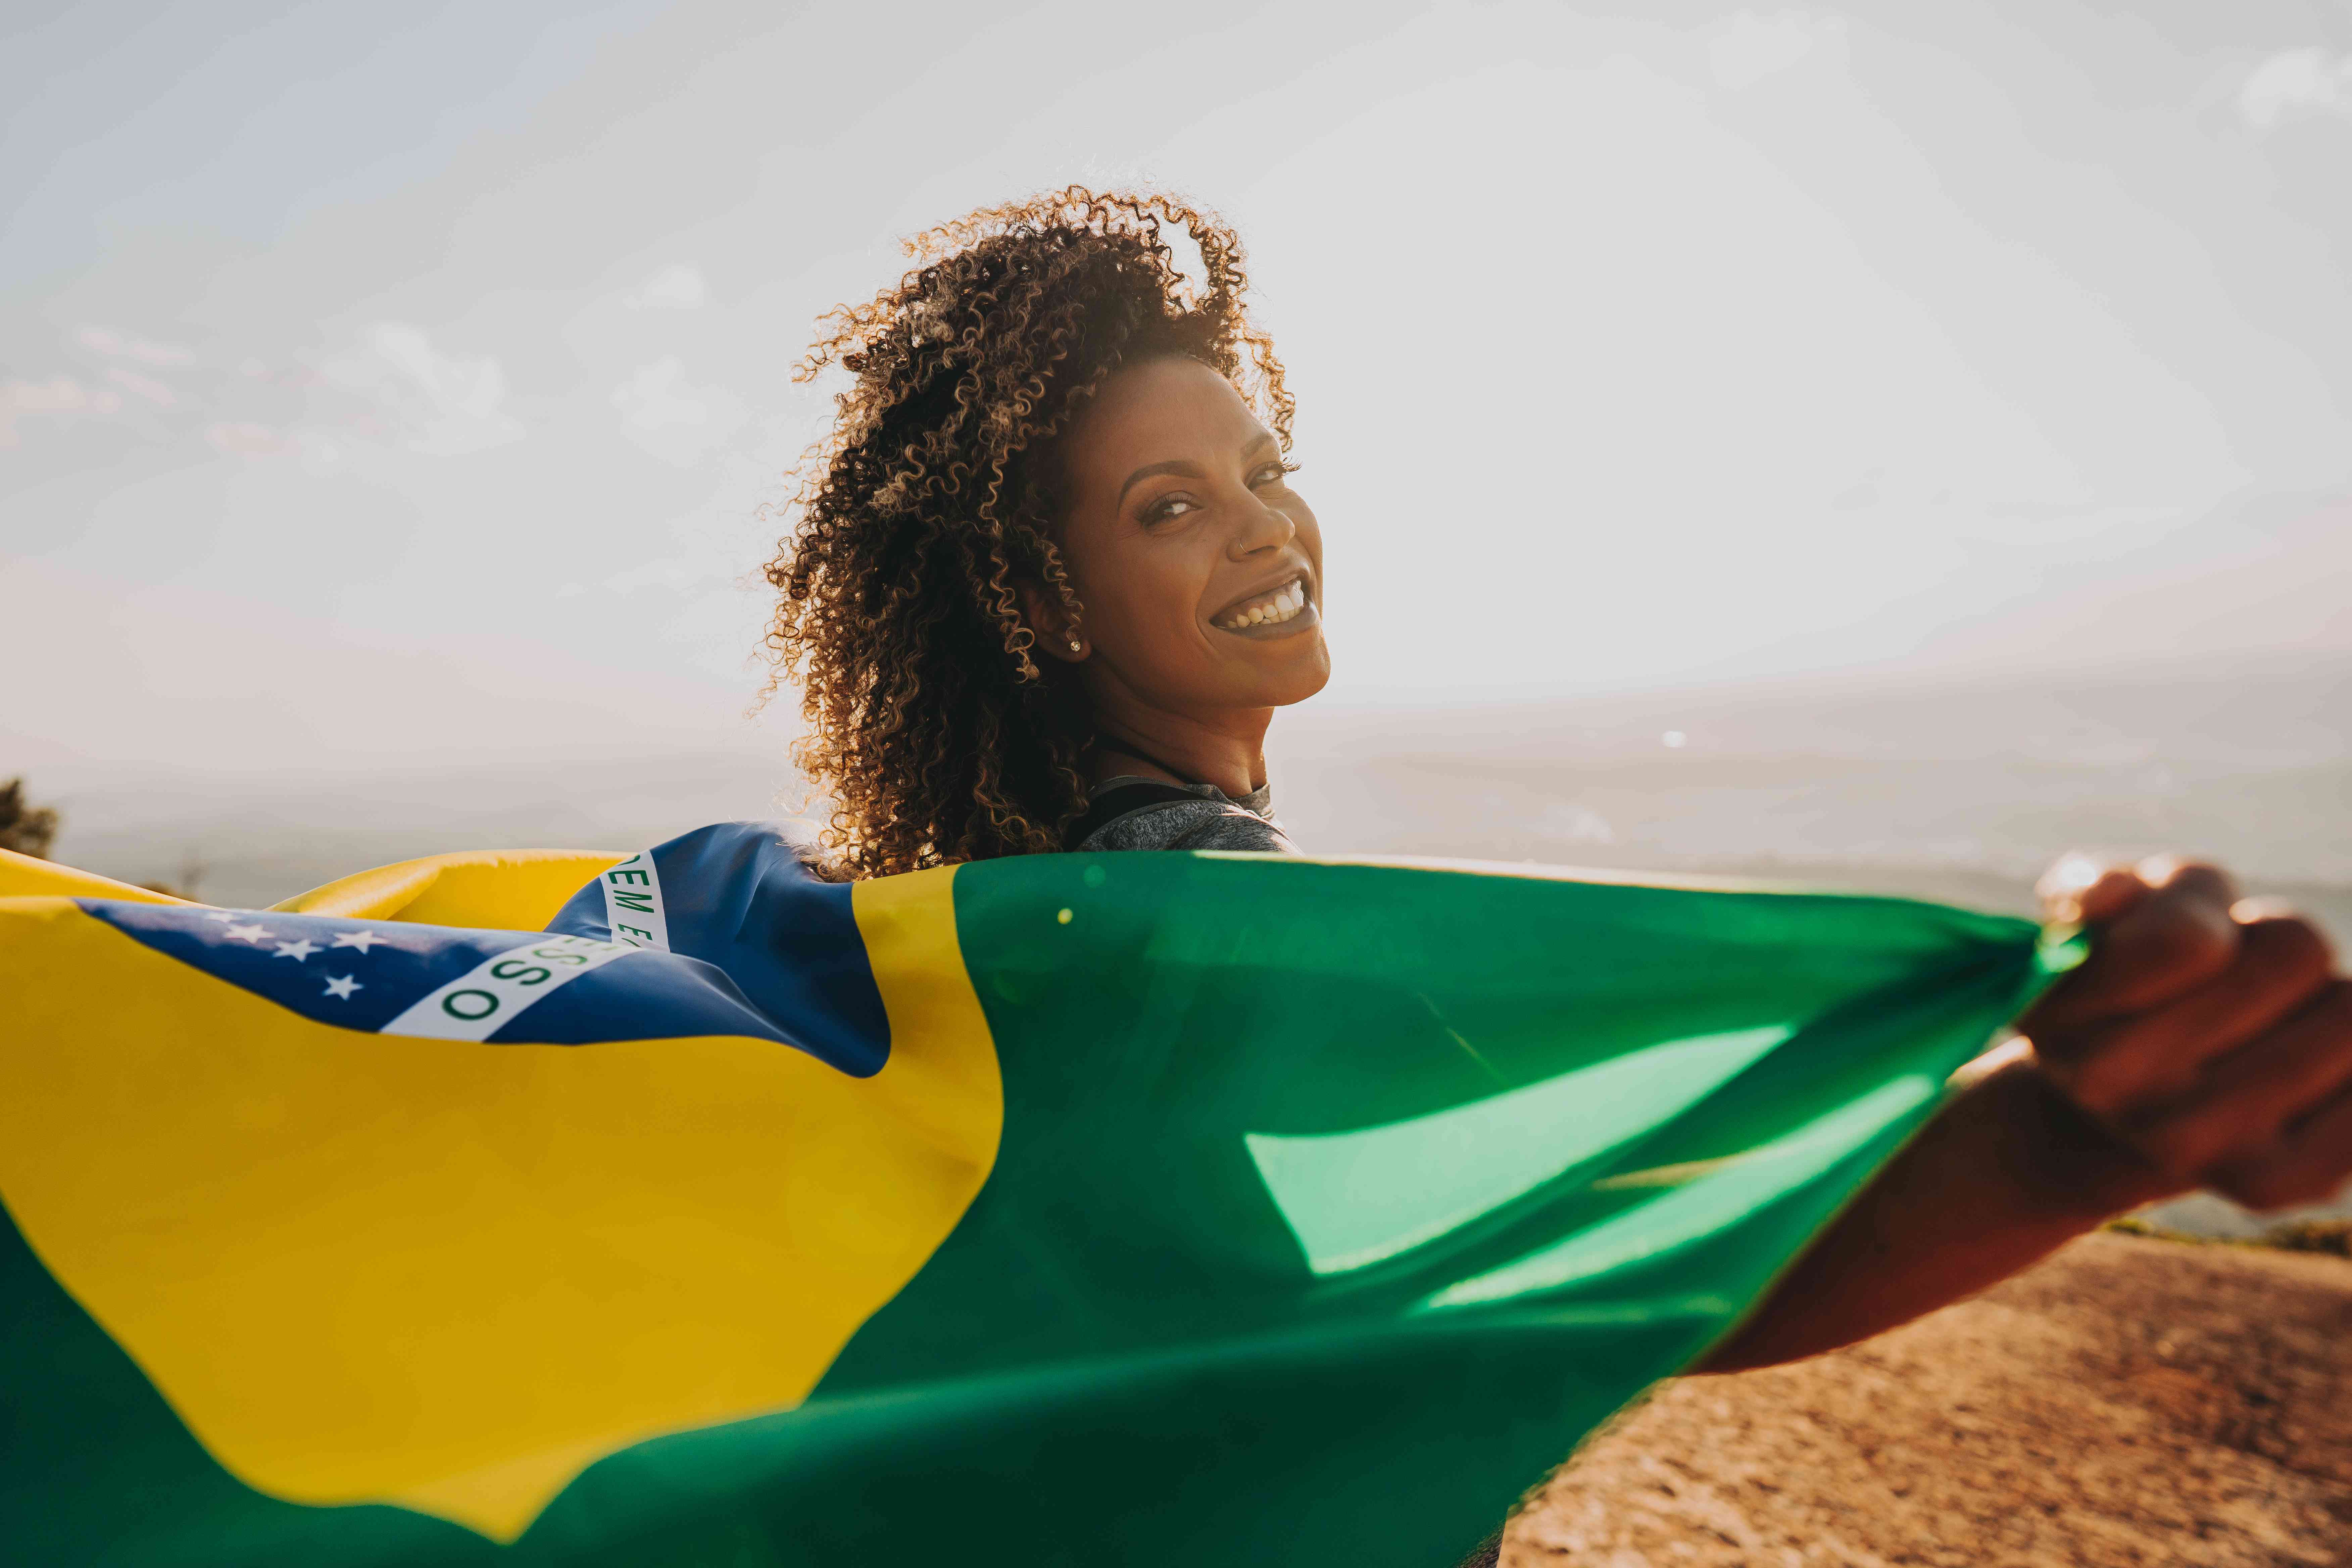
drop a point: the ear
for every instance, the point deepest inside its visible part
(1049, 622)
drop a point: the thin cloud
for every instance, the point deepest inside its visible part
(442, 404)
(60, 396)
(1748, 46)
(678, 286)
(145, 386)
(2296, 84)
(128, 346)
(244, 439)
(673, 419)
(678, 574)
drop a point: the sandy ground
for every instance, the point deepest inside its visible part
(2130, 1402)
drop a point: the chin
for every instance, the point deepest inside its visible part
(1295, 686)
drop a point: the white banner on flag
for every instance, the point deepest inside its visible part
(495, 991)
(632, 903)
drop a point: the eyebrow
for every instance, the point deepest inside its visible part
(1184, 467)
(1188, 470)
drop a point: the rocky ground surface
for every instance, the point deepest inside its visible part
(2130, 1403)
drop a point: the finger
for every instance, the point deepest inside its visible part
(2250, 1100)
(2115, 893)
(2165, 945)
(2281, 964)
(2080, 890)
(2198, 881)
(2308, 1164)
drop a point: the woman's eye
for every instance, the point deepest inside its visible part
(1272, 474)
(1169, 509)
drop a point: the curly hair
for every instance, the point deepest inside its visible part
(936, 735)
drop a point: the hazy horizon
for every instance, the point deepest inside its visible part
(1963, 789)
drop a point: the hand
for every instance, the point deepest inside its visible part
(2208, 1033)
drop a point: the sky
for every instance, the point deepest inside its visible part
(414, 383)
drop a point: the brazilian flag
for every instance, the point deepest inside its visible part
(681, 1208)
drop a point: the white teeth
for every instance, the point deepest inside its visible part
(1279, 605)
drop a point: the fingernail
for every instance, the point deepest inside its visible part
(2062, 886)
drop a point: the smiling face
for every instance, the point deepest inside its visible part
(1199, 567)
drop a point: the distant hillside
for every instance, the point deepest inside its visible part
(259, 839)
(1958, 791)
(2251, 762)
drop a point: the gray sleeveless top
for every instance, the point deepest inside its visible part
(1211, 820)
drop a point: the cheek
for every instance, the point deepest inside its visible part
(1150, 608)
(1310, 534)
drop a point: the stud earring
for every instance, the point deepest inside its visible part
(1075, 645)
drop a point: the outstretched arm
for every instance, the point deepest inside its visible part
(2206, 1042)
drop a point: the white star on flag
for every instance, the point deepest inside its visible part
(340, 986)
(298, 949)
(222, 915)
(245, 934)
(360, 939)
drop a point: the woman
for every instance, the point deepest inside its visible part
(1052, 579)
(1051, 549)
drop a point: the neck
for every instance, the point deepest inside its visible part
(1227, 750)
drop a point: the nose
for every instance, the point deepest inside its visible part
(1260, 528)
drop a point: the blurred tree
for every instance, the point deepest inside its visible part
(192, 872)
(23, 827)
